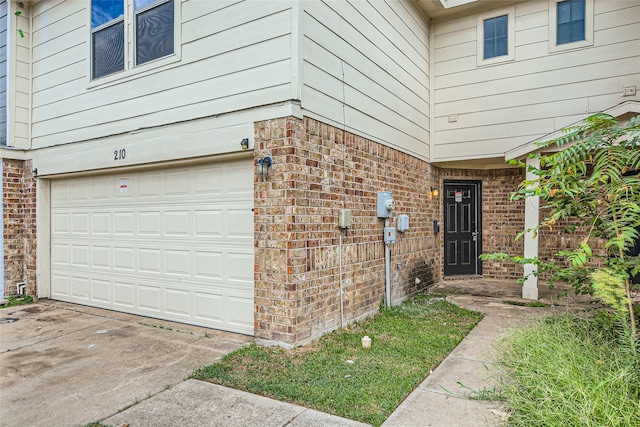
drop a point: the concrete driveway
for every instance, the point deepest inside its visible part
(64, 365)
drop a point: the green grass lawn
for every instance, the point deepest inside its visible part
(337, 375)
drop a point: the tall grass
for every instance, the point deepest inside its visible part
(566, 371)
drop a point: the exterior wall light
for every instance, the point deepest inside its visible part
(435, 192)
(244, 143)
(263, 165)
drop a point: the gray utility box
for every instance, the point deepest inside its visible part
(389, 235)
(385, 204)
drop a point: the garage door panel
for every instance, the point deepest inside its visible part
(240, 223)
(100, 223)
(80, 288)
(123, 223)
(101, 291)
(240, 267)
(175, 244)
(123, 294)
(208, 264)
(150, 223)
(60, 254)
(80, 255)
(208, 223)
(207, 181)
(101, 189)
(241, 311)
(208, 307)
(149, 260)
(177, 183)
(178, 302)
(149, 297)
(59, 285)
(80, 191)
(101, 257)
(177, 223)
(123, 259)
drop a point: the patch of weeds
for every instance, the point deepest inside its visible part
(563, 370)
(337, 375)
(97, 424)
(12, 301)
(526, 304)
(487, 394)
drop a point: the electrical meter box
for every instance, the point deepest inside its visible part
(402, 223)
(385, 204)
(389, 235)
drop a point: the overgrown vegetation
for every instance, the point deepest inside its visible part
(337, 375)
(592, 184)
(570, 371)
(12, 301)
(573, 370)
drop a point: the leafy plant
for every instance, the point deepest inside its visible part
(591, 185)
(12, 301)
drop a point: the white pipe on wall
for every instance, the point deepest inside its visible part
(387, 269)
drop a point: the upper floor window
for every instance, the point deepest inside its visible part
(495, 36)
(153, 37)
(571, 22)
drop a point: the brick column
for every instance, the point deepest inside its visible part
(19, 225)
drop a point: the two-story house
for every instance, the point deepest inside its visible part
(218, 162)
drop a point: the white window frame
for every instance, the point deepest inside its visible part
(511, 37)
(131, 70)
(553, 28)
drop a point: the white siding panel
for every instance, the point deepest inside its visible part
(234, 55)
(3, 72)
(373, 57)
(195, 87)
(498, 107)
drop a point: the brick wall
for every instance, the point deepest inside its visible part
(19, 225)
(318, 170)
(502, 219)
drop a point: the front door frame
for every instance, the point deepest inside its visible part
(478, 229)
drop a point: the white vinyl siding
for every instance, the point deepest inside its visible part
(234, 55)
(501, 107)
(366, 67)
(3, 72)
(174, 244)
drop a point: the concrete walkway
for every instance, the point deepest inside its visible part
(445, 398)
(111, 360)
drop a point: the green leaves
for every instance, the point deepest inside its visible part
(589, 183)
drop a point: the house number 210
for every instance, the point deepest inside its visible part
(119, 154)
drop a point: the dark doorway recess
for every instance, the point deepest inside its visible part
(462, 227)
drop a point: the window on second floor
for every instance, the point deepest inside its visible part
(153, 35)
(571, 22)
(496, 37)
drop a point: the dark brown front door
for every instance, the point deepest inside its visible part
(462, 228)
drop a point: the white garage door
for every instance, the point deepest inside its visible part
(174, 244)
